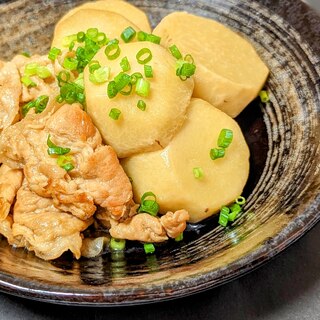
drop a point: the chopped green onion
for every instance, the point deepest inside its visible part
(27, 107)
(54, 149)
(30, 69)
(198, 173)
(112, 89)
(43, 72)
(125, 65)
(216, 153)
(41, 103)
(70, 63)
(128, 34)
(225, 138)
(71, 92)
(188, 58)
(100, 75)
(114, 113)
(54, 53)
(142, 87)
(117, 244)
(81, 36)
(185, 70)
(101, 39)
(143, 36)
(179, 237)
(92, 33)
(144, 56)
(224, 216)
(65, 162)
(63, 77)
(141, 105)
(26, 54)
(93, 65)
(66, 41)
(148, 71)
(128, 91)
(112, 51)
(241, 200)
(264, 96)
(149, 248)
(135, 76)
(122, 80)
(175, 52)
(79, 81)
(149, 205)
(28, 82)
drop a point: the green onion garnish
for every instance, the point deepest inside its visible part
(71, 92)
(126, 91)
(66, 41)
(117, 244)
(70, 63)
(235, 210)
(188, 58)
(135, 76)
(26, 54)
(43, 72)
(216, 153)
(39, 105)
(122, 80)
(81, 36)
(225, 138)
(149, 248)
(54, 149)
(28, 82)
(94, 65)
(114, 113)
(148, 71)
(54, 53)
(125, 65)
(112, 89)
(128, 34)
(224, 216)
(92, 33)
(143, 36)
(63, 77)
(141, 105)
(112, 51)
(149, 205)
(30, 69)
(241, 200)
(185, 70)
(144, 56)
(142, 87)
(179, 237)
(100, 75)
(175, 52)
(197, 172)
(264, 96)
(65, 162)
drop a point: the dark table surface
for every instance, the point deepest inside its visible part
(286, 288)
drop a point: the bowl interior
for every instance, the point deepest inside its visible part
(282, 191)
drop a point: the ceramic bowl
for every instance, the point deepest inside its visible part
(282, 191)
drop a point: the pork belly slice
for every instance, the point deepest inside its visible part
(44, 229)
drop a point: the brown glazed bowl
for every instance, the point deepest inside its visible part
(282, 191)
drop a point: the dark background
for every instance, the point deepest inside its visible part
(286, 288)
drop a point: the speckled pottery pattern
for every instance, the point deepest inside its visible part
(283, 191)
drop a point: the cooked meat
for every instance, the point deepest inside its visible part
(10, 92)
(141, 227)
(47, 86)
(174, 223)
(97, 177)
(10, 182)
(46, 230)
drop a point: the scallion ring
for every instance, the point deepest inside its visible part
(144, 55)
(225, 138)
(112, 51)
